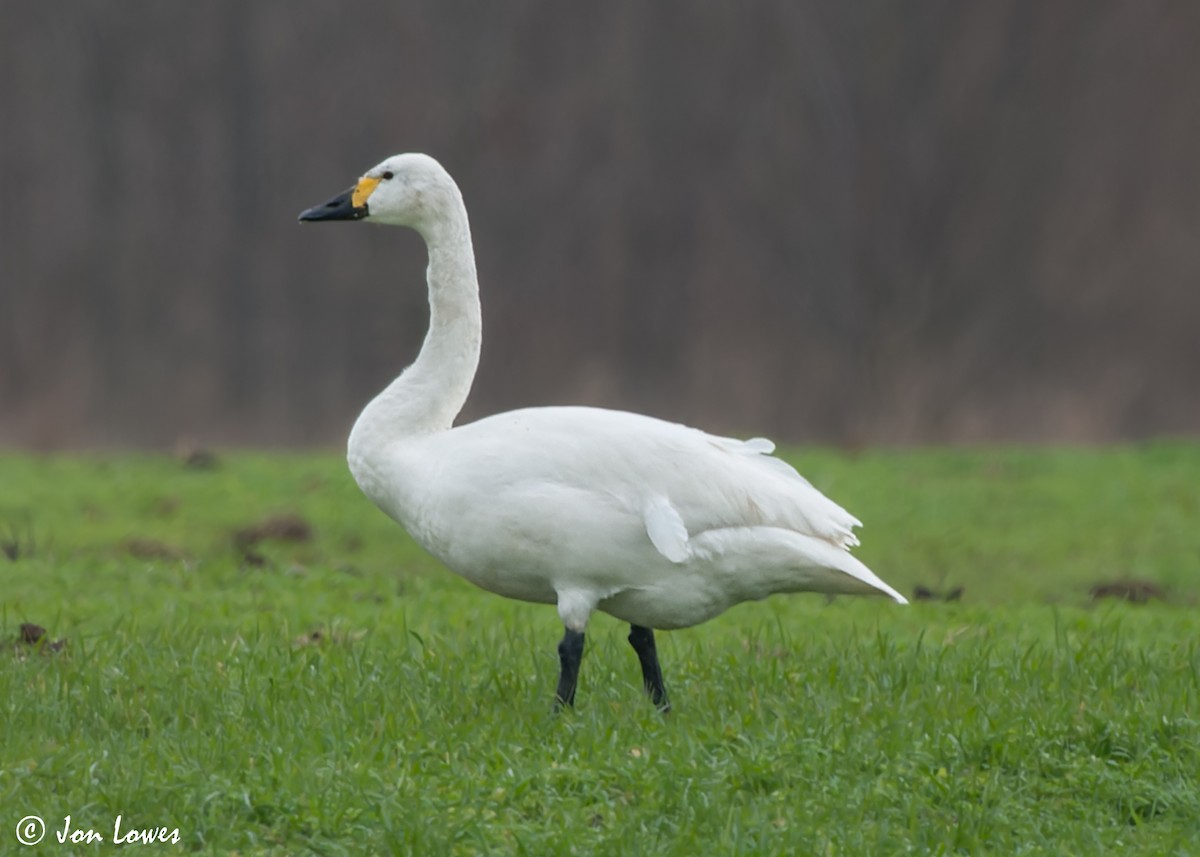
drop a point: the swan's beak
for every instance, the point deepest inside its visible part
(351, 205)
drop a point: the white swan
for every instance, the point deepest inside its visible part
(657, 524)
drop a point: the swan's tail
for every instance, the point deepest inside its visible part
(839, 559)
(764, 560)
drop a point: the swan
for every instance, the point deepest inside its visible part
(660, 525)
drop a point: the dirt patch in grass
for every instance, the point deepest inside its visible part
(33, 638)
(925, 593)
(143, 548)
(1133, 591)
(288, 527)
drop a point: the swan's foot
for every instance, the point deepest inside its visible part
(570, 655)
(642, 640)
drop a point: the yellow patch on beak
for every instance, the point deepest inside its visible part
(365, 187)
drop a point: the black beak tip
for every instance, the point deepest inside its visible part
(341, 207)
(310, 214)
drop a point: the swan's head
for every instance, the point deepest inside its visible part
(405, 190)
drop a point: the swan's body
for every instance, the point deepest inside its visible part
(655, 523)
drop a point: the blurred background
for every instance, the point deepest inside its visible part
(852, 223)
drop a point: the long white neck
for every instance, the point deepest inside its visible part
(429, 394)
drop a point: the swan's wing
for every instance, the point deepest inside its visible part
(676, 480)
(759, 489)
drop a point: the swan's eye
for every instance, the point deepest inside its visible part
(388, 175)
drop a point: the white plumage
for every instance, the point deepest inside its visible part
(658, 524)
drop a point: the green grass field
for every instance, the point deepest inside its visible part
(345, 695)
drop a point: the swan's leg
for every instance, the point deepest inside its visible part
(642, 640)
(570, 654)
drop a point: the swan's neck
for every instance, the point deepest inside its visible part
(429, 394)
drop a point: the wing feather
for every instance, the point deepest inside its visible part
(666, 529)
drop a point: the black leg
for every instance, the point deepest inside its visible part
(642, 640)
(570, 654)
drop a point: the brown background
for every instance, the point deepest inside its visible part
(853, 222)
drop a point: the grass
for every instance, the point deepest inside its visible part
(344, 695)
